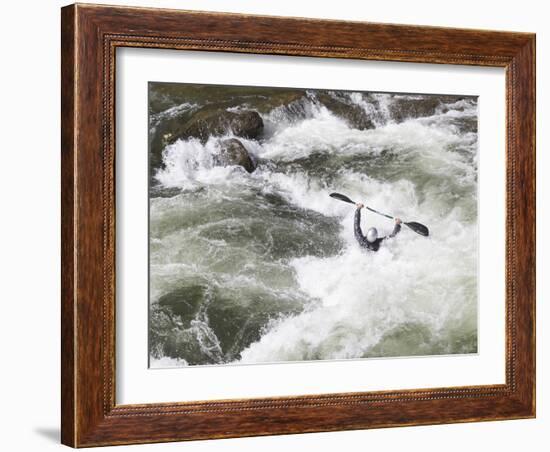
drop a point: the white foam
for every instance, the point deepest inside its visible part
(365, 295)
(166, 362)
(189, 163)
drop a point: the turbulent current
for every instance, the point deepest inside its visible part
(263, 266)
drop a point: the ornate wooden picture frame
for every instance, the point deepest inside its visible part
(90, 37)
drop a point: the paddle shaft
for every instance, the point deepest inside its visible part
(416, 227)
(380, 213)
(346, 199)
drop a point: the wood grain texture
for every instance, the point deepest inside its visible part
(90, 36)
(68, 147)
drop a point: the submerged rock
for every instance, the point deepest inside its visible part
(185, 301)
(209, 325)
(233, 152)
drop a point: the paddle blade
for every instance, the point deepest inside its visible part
(418, 228)
(341, 197)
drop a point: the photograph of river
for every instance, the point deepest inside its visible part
(251, 260)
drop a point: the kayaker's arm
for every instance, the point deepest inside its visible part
(357, 225)
(396, 229)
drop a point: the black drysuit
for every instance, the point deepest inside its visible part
(373, 246)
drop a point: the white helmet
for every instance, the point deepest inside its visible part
(372, 235)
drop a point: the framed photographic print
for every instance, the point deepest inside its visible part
(281, 225)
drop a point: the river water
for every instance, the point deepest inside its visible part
(264, 267)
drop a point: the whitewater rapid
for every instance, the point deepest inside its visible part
(270, 260)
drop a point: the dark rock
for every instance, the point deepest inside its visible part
(407, 107)
(201, 124)
(353, 114)
(233, 152)
(209, 122)
(262, 99)
(275, 98)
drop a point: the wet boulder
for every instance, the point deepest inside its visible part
(353, 114)
(207, 122)
(233, 152)
(407, 107)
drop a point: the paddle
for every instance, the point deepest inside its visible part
(416, 227)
